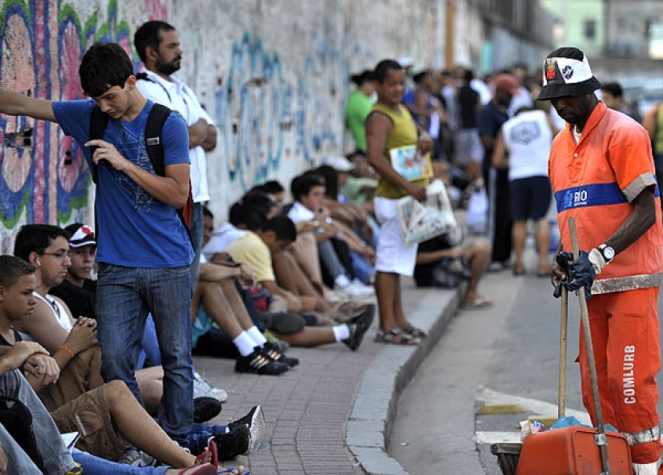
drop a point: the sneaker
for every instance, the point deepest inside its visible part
(259, 363)
(136, 458)
(355, 289)
(283, 346)
(358, 327)
(277, 355)
(202, 388)
(283, 322)
(255, 420)
(234, 443)
(205, 408)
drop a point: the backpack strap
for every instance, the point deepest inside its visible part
(98, 123)
(154, 144)
(153, 140)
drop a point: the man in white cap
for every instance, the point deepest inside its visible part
(77, 289)
(602, 173)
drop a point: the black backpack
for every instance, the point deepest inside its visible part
(153, 145)
(16, 418)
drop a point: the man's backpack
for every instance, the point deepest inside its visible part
(153, 145)
(16, 418)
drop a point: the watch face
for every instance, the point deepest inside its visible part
(608, 253)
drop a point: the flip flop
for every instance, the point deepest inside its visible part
(477, 303)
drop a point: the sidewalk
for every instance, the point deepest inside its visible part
(331, 415)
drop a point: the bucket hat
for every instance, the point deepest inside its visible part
(566, 72)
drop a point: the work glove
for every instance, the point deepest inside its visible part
(563, 260)
(584, 269)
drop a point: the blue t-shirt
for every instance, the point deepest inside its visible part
(489, 122)
(134, 228)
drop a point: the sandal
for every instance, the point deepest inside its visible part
(209, 455)
(414, 331)
(396, 336)
(204, 469)
(477, 303)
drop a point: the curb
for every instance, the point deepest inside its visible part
(370, 424)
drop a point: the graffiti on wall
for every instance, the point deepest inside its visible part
(43, 176)
(267, 114)
(266, 117)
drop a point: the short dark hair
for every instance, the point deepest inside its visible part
(258, 199)
(303, 184)
(271, 187)
(149, 34)
(362, 77)
(207, 213)
(613, 88)
(251, 217)
(36, 238)
(104, 65)
(282, 227)
(331, 181)
(382, 69)
(13, 268)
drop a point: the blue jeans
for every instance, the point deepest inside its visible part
(125, 296)
(54, 453)
(362, 269)
(93, 465)
(196, 233)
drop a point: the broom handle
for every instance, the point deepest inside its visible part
(584, 316)
(563, 333)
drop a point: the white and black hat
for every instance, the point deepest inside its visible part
(566, 72)
(81, 235)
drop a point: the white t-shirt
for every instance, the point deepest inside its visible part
(299, 213)
(178, 97)
(527, 139)
(221, 238)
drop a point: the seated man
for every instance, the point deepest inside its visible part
(78, 356)
(78, 292)
(98, 412)
(446, 249)
(217, 299)
(256, 249)
(308, 191)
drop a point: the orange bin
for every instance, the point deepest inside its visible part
(572, 451)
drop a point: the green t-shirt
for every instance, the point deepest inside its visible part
(356, 111)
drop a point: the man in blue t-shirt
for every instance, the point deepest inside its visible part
(144, 252)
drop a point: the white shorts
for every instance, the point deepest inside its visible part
(393, 255)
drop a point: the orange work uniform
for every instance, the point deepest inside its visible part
(595, 181)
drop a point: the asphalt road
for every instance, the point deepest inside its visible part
(508, 354)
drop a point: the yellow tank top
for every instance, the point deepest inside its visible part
(403, 134)
(658, 139)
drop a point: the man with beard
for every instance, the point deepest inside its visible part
(602, 173)
(159, 48)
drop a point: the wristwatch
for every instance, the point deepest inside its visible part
(607, 252)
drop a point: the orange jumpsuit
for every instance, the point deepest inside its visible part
(594, 181)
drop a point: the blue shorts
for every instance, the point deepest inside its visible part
(530, 198)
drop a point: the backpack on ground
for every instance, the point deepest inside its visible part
(16, 418)
(153, 145)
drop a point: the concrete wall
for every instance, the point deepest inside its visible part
(272, 73)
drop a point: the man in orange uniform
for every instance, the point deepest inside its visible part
(602, 172)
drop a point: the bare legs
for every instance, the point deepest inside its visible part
(390, 305)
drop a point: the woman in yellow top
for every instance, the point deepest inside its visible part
(389, 126)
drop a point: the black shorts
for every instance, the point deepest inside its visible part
(530, 198)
